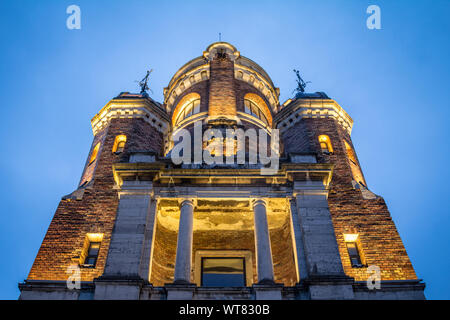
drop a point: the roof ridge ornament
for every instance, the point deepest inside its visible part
(223, 48)
(144, 84)
(301, 85)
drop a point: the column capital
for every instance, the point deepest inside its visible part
(186, 201)
(136, 188)
(257, 201)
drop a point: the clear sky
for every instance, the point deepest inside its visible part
(393, 82)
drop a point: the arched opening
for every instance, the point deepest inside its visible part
(252, 109)
(325, 143)
(119, 143)
(256, 106)
(188, 106)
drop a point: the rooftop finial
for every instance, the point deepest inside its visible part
(220, 37)
(301, 84)
(144, 83)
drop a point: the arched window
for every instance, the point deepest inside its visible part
(188, 110)
(94, 153)
(251, 108)
(119, 143)
(325, 143)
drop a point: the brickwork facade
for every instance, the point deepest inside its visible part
(351, 213)
(292, 227)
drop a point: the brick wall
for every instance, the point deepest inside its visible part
(222, 97)
(351, 213)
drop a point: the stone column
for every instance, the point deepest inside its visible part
(297, 243)
(262, 242)
(184, 243)
(122, 278)
(326, 277)
(149, 236)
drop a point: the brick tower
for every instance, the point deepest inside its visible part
(142, 226)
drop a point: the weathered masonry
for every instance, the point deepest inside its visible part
(141, 227)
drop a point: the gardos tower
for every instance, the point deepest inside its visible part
(140, 226)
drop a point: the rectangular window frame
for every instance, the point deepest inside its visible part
(246, 254)
(353, 239)
(220, 257)
(91, 238)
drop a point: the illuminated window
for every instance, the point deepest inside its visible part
(91, 249)
(353, 253)
(188, 110)
(92, 254)
(251, 108)
(119, 143)
(94, 153)
(325, 143)
(223, 272)
(351, 241)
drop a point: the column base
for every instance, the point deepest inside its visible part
(329, 287)
(180, 290)
(268, 291)
(114, 287)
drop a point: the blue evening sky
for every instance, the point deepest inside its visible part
(393, 82)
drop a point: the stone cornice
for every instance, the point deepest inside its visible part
(312, 108)
(159, 173)
(131, 108)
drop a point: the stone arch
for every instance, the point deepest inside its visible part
(184, 101)
(256, 99)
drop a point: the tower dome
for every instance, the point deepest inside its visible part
(221, 85)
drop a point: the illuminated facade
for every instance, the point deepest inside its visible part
(141, 227)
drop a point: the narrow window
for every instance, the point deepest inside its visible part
(353, 249)
(92, 254)
(94, 153)
(353, 253)
(120, 146)
(223, 272)
(325, 143)
(119, 143)
(91, 249)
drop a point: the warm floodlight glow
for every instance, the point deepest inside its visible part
(94, 153)
(350, 237)
(325, 143)
(119, 143)
(95, 237)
